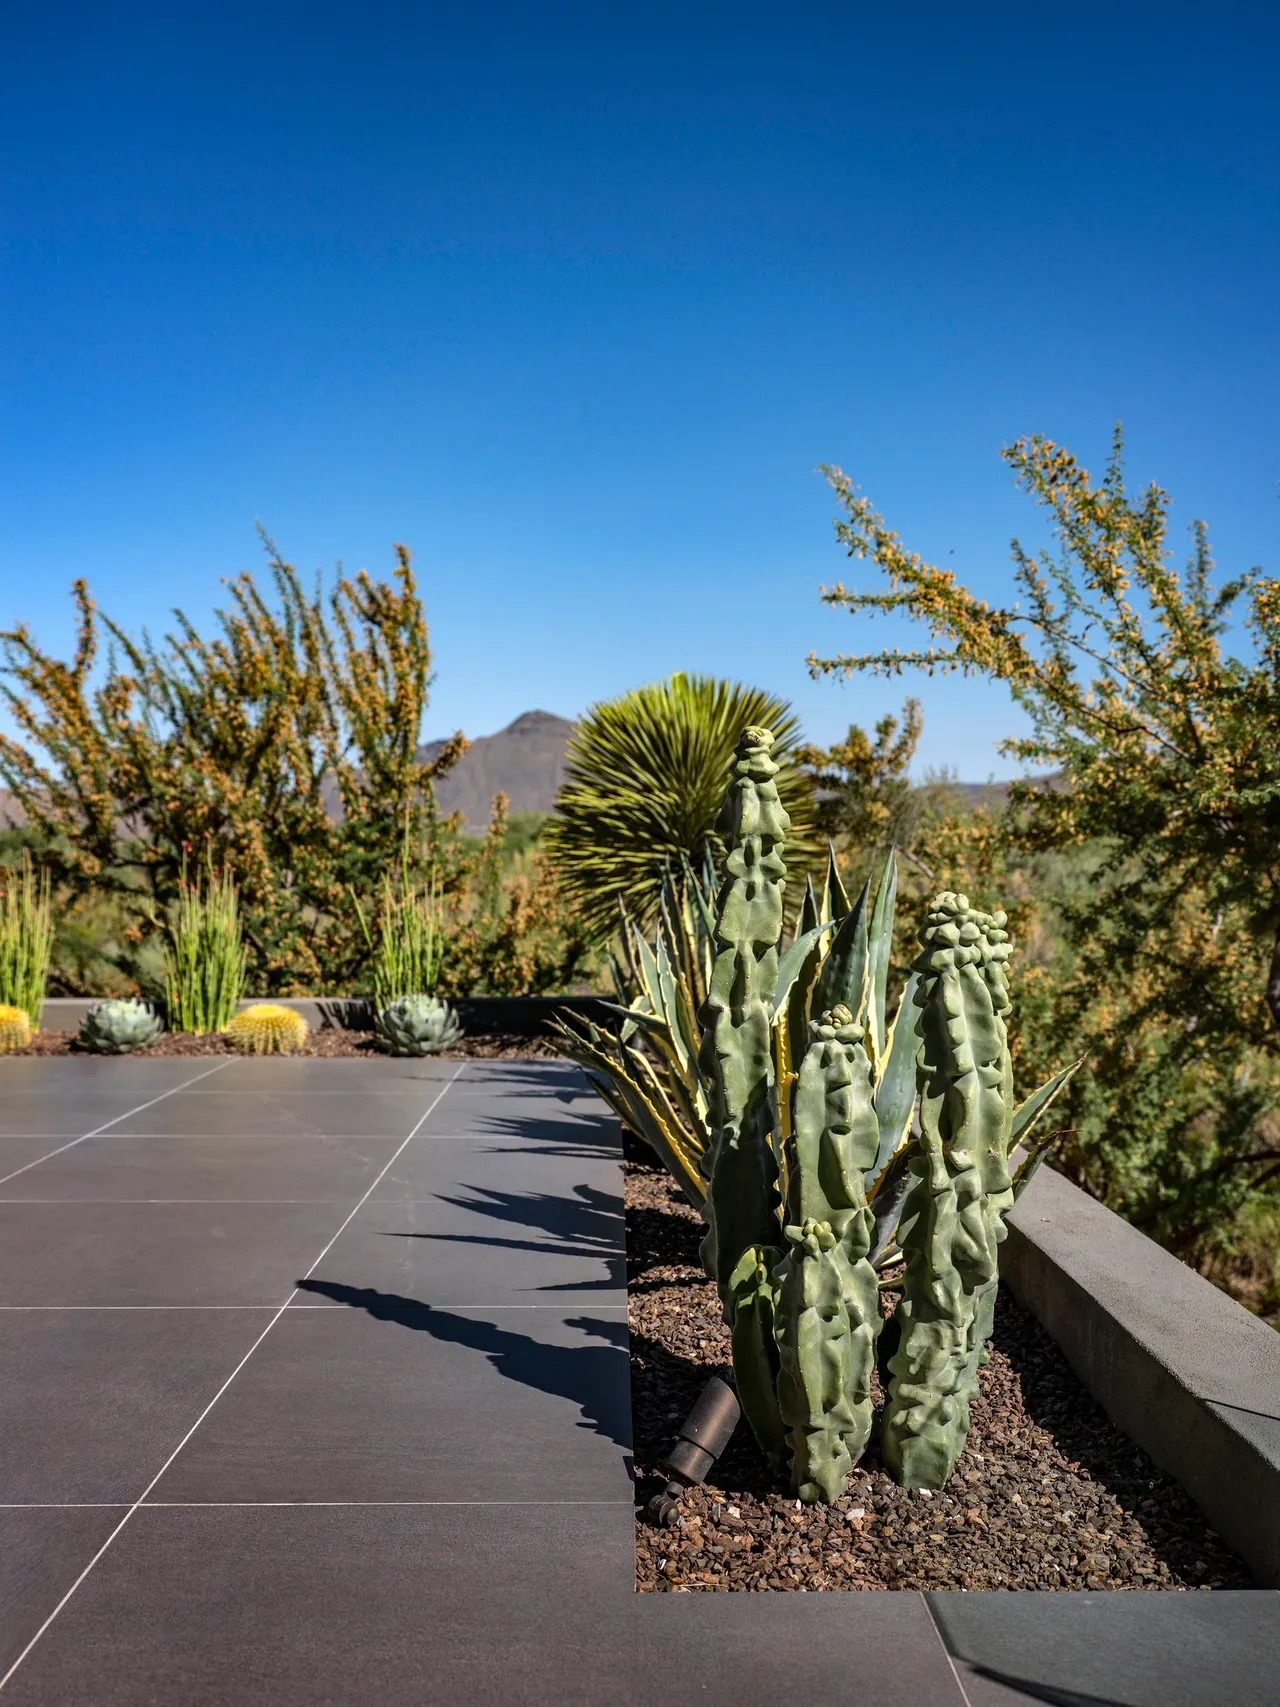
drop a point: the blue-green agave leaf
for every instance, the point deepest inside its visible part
(881, 943)
(895, 1096)
(846, 971)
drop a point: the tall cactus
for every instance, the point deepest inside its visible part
(953, 1219)
(820, 1113)
(740, 1250)
(827, 1312)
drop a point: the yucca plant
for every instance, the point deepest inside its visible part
(823, 1140)
(644, 782)
(205, 959)
(26, 939)
(407, 944)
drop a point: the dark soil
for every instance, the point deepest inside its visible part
(329, 1041)
(1048, 1494)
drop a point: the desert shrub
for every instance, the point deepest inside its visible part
(284, 747)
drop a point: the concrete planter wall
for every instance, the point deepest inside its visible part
(1184, 1370)
(482, 1016)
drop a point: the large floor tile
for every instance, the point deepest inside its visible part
(159, 1253)
(20, 1151)
(1117, 1649)
(345, 1113)
(41, 1555)
(69, 1097)
(92, 1402)
(422, 1075)
(472, 1222)
(484, 1248)
(282, 1166)
(488, 1607)
(386, 1399)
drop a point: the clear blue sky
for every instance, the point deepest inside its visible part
(572, 298)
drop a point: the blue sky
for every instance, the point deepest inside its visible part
(573, 298)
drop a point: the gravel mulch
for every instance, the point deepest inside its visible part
(330, 1041)
(1048, 1494)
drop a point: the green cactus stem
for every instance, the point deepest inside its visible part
(736, 1057)
(952, 1220)
(827, 1311)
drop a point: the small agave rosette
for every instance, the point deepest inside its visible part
(418, 1025)
(119, 1027)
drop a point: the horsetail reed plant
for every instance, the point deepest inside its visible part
(205, 958)
(409, 946)
(26, 939)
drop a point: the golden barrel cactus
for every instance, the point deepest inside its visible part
(266, 1028)
(15, 1029)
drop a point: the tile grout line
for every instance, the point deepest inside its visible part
(137, 1504)
(73, 1309)
(108, 1124)
(273, 1505)
(947, 1654)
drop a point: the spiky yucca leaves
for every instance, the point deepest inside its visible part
(953, 1217)
(826, 1304)
(417, 1024)
(736, 1058)
(119, 1027)
(267, 1029)
(644, 783)
(26, 938)
(15, 1029)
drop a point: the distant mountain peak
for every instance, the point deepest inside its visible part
(524, 761)
(536, 723)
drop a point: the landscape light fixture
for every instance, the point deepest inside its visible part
(703, 1436)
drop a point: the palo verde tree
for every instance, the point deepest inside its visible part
(1158, 748)
(283, 748)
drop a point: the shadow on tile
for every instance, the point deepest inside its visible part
(587, 1224)
(587, 1375)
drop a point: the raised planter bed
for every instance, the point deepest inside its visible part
(1049, 1493)
(343, 1025)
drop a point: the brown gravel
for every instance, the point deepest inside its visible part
(330, 1041)
(1048, 1495)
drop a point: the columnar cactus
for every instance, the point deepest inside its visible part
(814, 1176)
(740, 1248)
(952, 1221)
(827, 1311)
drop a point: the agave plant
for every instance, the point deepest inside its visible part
(418, 1025)
(649, 1072)
(834, 1133)
(119, 1027)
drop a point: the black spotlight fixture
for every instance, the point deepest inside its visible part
(703, 1436)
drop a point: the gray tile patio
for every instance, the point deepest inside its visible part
(315, 1390)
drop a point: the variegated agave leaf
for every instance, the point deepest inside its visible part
(628, 1082)
(1031, 1151)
